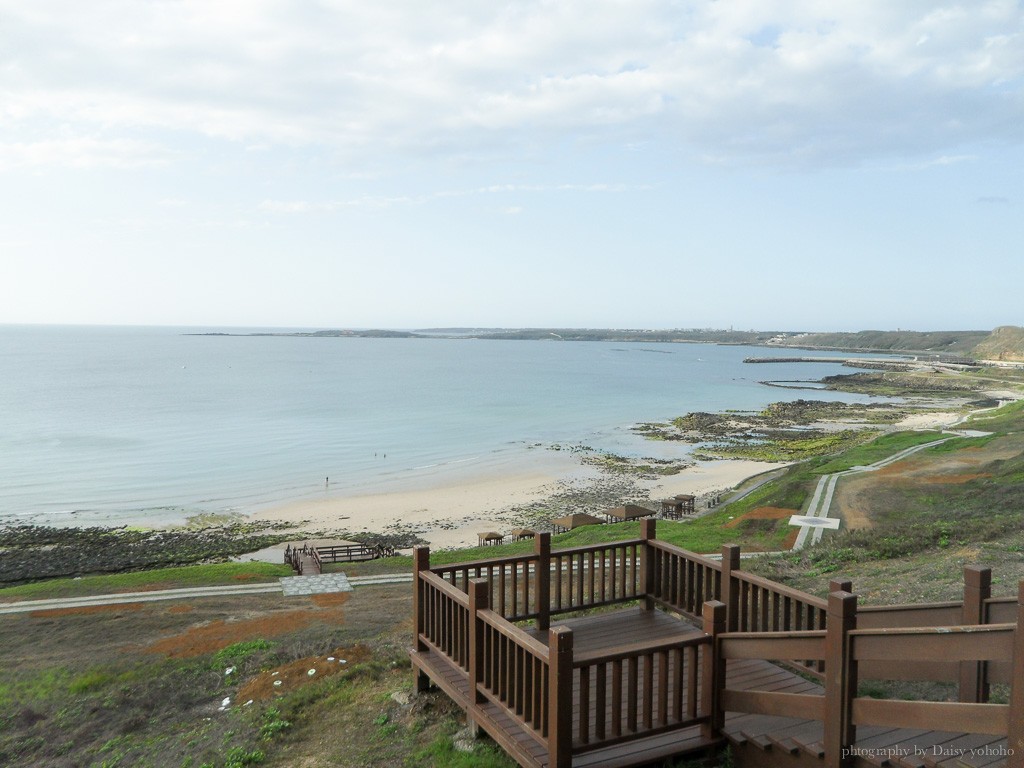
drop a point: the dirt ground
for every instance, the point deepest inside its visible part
(852, 499)
(101, 634)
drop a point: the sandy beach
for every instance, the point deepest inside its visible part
(453, 513)
(450, 511)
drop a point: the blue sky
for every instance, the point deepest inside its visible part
(630, 163)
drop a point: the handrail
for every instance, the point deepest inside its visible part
(638, 648)
(573, 703)
(696, 557)
(781, 589)
(474, 565)
(441, 585)
(596, 547)
(514, 633)
(682, 580)
(595, 575)
(965, 643)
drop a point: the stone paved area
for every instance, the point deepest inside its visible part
(315, 585)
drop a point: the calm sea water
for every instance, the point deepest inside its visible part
(113, 424)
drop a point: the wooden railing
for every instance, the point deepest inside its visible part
(595, 576)
(683, 581)
(636, 690)
(570, 702)
(293, 556)
(639, 689)
(512, 583)
(351, 553)
(577, 579)
(442, 619)
(851, 654)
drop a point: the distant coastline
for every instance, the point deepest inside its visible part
(1005, 343)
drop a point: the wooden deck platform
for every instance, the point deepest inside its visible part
(593, 635)
(592, 656)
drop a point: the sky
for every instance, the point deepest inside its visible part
(754, 164)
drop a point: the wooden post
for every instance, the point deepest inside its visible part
(840, 679)
(729, 592)
(840, 585)
(560, 704)
(973, 674)
(648, 531)
(420, 563)
(1015, 726)
(715, 618)
(479, 600)
(542, 594)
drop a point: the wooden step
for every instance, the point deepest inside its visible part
(785, 744)
(816, 748)
(759, 740)
(736, 738)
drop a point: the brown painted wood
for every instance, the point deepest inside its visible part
(987, 643)
(802, 705)
(840, 679)
(975, 718)
(1015, 722)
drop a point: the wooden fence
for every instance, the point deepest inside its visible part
(850, 654)
(570, 701)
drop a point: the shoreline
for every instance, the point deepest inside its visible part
(451, 515)
(450, 512)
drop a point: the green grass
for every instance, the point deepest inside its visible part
(1009, 418)
(959, 444)
(163, 578)
(880, 448)
(783, 446)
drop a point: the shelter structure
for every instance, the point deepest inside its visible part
(678, 506)
(489, 538)
(518, 534)
(628, 512)
(572, 522)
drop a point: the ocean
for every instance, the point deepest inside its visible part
(109, 425)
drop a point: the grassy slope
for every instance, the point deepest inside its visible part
(931, 529)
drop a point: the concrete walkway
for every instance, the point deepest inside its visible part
(290, 586)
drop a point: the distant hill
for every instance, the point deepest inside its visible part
(1004, 343)
(935, 342)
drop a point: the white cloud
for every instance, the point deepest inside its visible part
(82, 153)
(785, 82)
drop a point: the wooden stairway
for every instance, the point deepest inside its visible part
(768, 741)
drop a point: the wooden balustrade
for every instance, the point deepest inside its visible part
(594, 576)
(683, 581)
(637, 690)
(512, 582)
(443, 621)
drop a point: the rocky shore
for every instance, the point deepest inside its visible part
(32, 552)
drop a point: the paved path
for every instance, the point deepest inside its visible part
(288, 586)
(816, 520)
